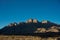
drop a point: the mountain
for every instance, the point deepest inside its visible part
(30, 26)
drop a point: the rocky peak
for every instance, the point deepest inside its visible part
(35, 21)
(12, 24)
(32, 21)
(29, 21)
(45, 21)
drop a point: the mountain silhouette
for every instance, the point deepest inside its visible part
(27, 27)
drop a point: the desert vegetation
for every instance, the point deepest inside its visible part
(16, 37)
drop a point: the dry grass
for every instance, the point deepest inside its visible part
(17, 37)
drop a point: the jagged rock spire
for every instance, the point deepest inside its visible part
(12, 24)
(35, 21)
(32, 21)
(29, 21)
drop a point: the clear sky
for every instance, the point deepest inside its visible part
(21, 10)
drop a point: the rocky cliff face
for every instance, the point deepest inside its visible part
(30, 26)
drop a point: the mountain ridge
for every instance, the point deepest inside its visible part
(31, 26)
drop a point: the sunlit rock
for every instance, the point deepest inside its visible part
(14, 23)
(11, 24)
(53, 29)
(29, 21)
(35, 21)
(40, 30)
(44, 21)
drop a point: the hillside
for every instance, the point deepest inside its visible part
(31, 26)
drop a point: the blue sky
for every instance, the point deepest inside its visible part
(21, 10)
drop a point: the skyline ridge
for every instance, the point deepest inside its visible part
(32, 19)
(31, 26)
